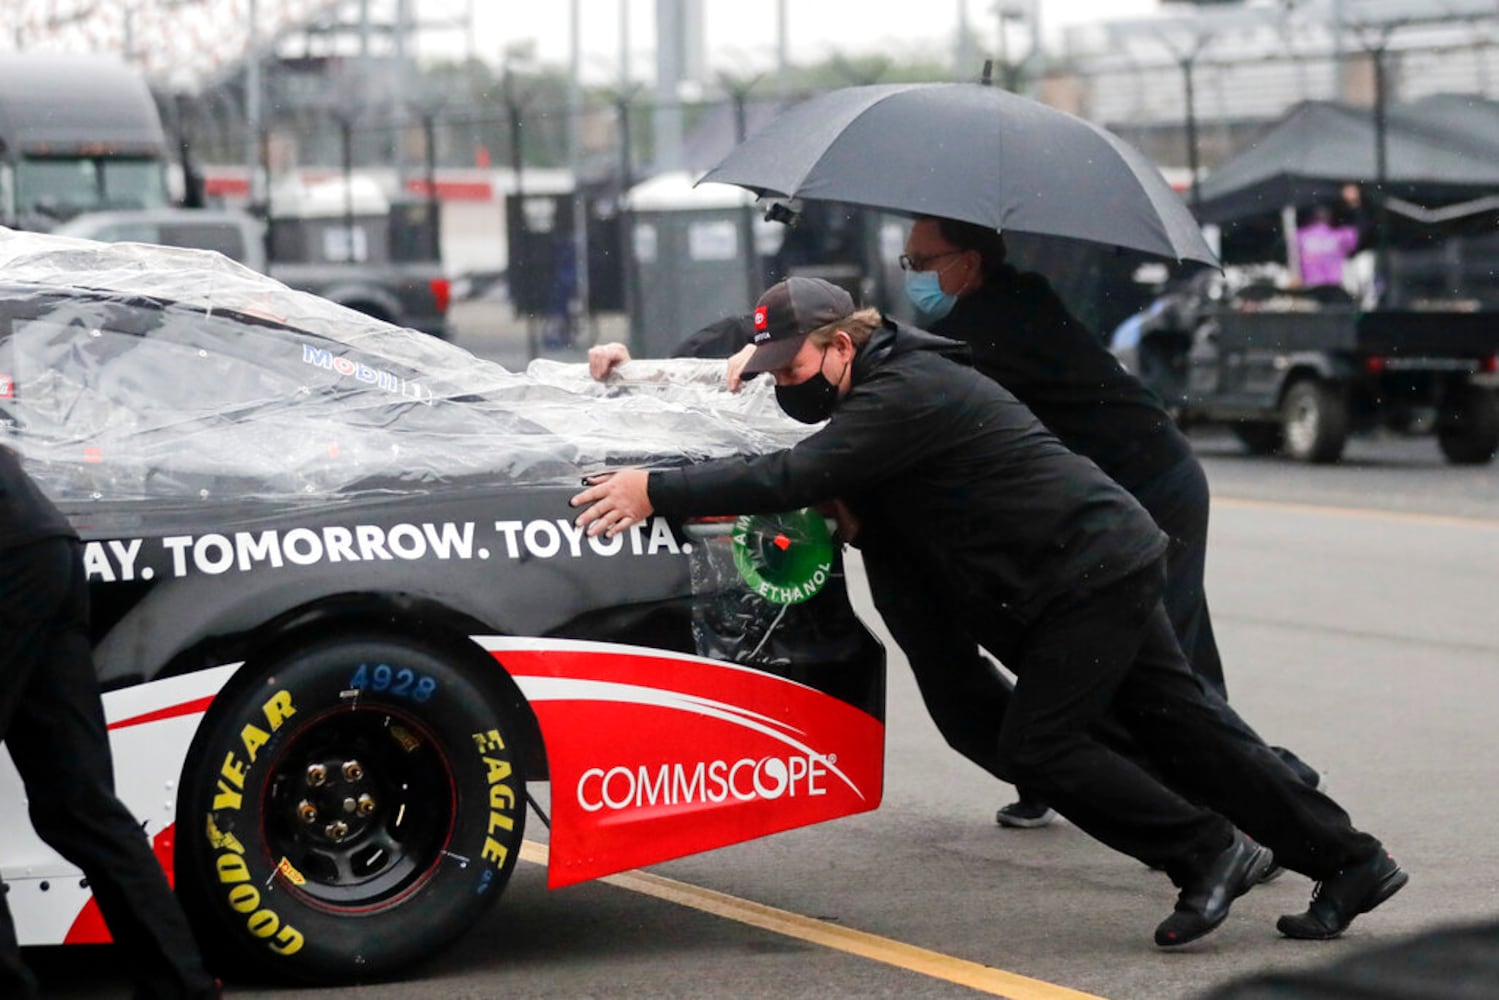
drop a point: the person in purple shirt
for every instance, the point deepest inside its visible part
(1323, 247)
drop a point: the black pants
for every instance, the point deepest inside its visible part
(1112, 652)
(964, 693)
(52, 722)
(1178, 502)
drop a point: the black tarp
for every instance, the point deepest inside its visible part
(1458, 113)
(1438, 150)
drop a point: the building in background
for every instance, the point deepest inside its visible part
(1249, 62)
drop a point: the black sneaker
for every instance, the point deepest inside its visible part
(1203, 904)
(1025, 814)
(1336, 901)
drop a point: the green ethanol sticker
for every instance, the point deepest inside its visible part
(785, 558)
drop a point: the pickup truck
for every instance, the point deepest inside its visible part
(372, 267)
(1298, 373)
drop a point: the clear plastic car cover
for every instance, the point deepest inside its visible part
(769, 614)
(140, 372)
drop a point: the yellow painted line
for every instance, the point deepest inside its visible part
(1369, 513)
(983, 978)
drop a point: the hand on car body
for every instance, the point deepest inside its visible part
(615, 501)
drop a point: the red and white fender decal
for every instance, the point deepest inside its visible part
(151, 727)
(654, 755)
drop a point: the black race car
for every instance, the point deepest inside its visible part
(344, 620)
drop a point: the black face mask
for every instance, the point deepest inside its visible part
(812, 401)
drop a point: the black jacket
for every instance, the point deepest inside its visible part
(1023, 337)
(26, 515)
(931, 453)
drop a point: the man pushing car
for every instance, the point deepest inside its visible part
(1060, 573)
(52, 722)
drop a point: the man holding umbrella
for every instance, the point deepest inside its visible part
(1023, 336)
(1059, 571)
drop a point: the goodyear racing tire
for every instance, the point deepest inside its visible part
(351, 808)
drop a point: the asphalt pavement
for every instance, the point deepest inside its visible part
(1355, 607)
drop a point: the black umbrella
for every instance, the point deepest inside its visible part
(970, 152)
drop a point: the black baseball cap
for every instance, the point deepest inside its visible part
(786, 313)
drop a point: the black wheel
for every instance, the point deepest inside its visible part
(351, 808)
(1314, 422)
(1259, 438)
(1468, 432)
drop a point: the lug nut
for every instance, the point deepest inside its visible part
(307, 812)
(353, 770)
(316, 775)
(366, 805)
(337, 830)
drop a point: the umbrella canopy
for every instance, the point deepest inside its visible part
(970, 152)
(1435, 151)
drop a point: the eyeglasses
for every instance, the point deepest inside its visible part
(909, 263)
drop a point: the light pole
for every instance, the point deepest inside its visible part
(965, 42)
(429, 162)
(1376, 43)
(1007, 11)
(783, 64)
(1381, 176)
(574, 159)
(1035, 60)
(738, 89)
(1337, 48)
(1192, 165)
(252, 106)
(1186, 58)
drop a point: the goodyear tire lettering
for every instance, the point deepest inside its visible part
(264, 923)
(301, 862)
(230, 865)
(288, 942)
(232, 868)
(244, 898)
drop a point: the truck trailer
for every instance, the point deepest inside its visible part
(77, 134)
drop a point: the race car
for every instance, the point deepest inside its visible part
(345, 624)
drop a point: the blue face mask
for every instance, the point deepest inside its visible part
(924, 289)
